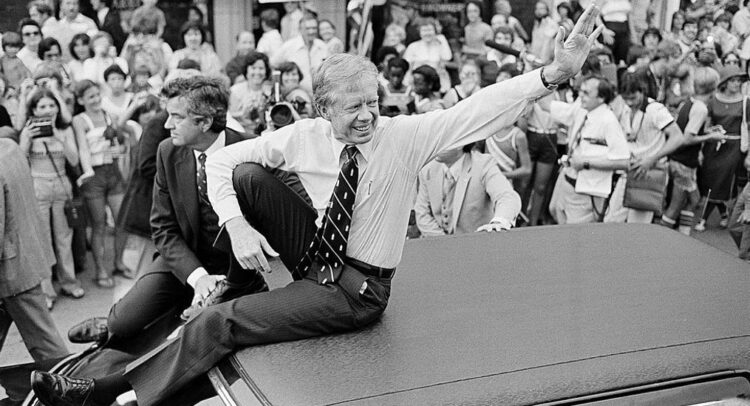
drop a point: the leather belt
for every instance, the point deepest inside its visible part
(370, 270)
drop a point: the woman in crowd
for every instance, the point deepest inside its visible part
(721, 158)
(650, 40)
(248, 99)
(470, 78)
(291, 91)
(197, 49)
(50, 51)
(426, 90)
(93, 68)
(510, 149)
(49, 143)
(327, 32)
(99, 141)
(80, 50)
(432, 49)
(476, 31)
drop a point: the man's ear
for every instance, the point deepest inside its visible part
(206, 123)
(323, 111)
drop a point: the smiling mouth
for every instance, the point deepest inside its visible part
(362, 128)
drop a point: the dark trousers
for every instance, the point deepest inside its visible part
(622, 40)
(299, 310)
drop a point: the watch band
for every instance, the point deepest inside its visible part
(546, 84)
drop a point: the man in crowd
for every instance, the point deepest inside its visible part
(462, 192)
(71, 22)
(41, 12)
(25, 259)
(359, 171)
(596, 147)
(270, 42)
(306, 50)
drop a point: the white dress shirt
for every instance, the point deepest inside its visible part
(307, 59)
(220, 143)
(388, 164)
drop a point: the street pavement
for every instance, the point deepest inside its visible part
(97, 301)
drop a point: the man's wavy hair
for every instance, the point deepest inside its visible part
(204, 96)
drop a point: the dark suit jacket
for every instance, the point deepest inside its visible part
(175, 214)
(25, 252)
(112, 26)
(136, 205)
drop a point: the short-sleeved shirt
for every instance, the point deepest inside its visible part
(648, 129)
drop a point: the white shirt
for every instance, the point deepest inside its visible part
(270, 43)
(29, 58)
(102, 14)
(218, 144)
(306, 59)
(389, 163)
(592, 134)
(648, 129)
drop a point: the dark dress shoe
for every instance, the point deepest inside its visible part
(93, 330)
(58, 390)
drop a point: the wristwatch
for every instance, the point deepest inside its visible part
(549, 86)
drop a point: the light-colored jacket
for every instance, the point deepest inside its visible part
(25, 253)
(482, 194)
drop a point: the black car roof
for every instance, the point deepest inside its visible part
(527, 316)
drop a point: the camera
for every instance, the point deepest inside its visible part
(44, 124)
(283, 113)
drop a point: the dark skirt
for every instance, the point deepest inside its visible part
(718, 169)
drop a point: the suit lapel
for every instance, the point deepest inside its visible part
(435, 188)
(462, 183)
(185, 172)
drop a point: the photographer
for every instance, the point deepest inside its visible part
(248, 99)
(49, 142)
(291, 92)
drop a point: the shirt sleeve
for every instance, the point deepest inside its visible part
(195, 275)
(562, 112)
(270, 150)
(419, 138)
(698, 115)
(661, 116)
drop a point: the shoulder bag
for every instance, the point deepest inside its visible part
(73, 207)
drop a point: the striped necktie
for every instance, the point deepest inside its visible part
(328, 248)
(202, 187)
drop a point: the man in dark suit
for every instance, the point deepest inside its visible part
(25, 259)
(184, 225)
(108, 20)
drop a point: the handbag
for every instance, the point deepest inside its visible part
(73, 208)
(646, 192)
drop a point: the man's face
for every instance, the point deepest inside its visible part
(590, 95)
(31, 35)
(633, 100)
(245, 43)
(309, 30)
(69, 8)
(183, 127)
(35, 15)
(354, 113)
(540, 10)
(690, 31)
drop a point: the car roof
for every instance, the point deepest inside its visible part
(527, 316)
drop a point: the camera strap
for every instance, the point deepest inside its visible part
(57, 172)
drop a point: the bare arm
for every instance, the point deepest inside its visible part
(524, 170)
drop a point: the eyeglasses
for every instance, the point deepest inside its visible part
(31, 34)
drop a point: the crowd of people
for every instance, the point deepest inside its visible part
(652, 130)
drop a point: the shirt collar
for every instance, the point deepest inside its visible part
(218, 144)
(455, 168)
(365, 150)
